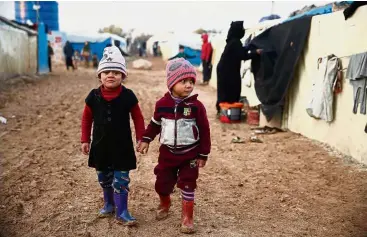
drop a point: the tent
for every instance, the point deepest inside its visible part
(97, 41)
(270, 17)
(160, 38)
(169, 43)
(326, 9)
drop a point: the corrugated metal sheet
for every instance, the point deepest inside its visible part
(5, 21)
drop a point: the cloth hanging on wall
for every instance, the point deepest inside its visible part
(322, 92)
(357, 74)
(273, 71)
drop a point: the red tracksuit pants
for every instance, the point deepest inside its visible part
(173, 170)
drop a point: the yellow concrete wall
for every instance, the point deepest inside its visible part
(18, 52)
(331, 34)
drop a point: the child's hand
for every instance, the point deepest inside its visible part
(138, 146)
(143, 147)
(85, 148)
(201, 163)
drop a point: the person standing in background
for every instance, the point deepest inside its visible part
(76, 59)
(86, 53)
(69, 52)
(206, 58)
(144, 48)
(140, 49)
(229, 66)
(95, 61)
(155, 49)
(50, 54)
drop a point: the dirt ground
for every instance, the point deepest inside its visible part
(286, 186)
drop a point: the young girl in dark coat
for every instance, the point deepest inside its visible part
(111, 151)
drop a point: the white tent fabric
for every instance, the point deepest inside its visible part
(160, 38)
(169, 42)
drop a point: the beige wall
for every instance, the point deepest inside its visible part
(331, 34)
(18, 52)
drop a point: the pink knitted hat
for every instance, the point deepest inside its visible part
(178, 70)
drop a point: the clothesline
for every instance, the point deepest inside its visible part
(347, 56)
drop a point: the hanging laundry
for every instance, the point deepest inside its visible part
(322, 92)
(246, 73)
(338, 88)
(359, 95)
(357, 74)
(357, 67)
(274, 70)
(247, 41)
(247, 77)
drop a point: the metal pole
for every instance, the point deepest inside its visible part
(38, 35)
(37, 23)
(272, 7)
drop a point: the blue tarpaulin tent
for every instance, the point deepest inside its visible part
(96, 41)
(318, 10)
(192, 43)
(194, 52)
(270, 17)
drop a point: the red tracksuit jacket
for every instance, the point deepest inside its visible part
(206, 48)
(184, 128)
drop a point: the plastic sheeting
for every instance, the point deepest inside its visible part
(318, 10)
(270, 17)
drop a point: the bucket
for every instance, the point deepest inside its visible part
(245, 108)
(253, 117)
(245, 102)
(230, 113)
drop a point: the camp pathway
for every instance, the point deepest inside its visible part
(286, 186)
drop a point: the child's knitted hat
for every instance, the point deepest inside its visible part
(178, 70)
(112, 60)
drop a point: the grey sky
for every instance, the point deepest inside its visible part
(159, 16)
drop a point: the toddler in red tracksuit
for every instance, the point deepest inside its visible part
(181, 120)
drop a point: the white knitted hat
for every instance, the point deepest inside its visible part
(112, 60)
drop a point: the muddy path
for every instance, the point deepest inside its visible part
(285, 186)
